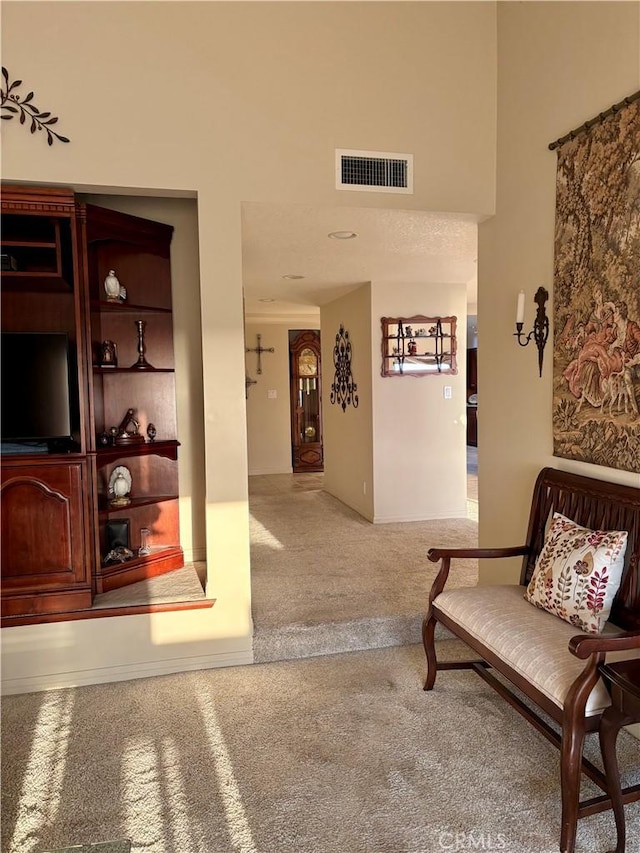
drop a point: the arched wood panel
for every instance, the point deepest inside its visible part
(42, 528)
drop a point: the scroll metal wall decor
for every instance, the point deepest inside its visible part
(13, 104)
(343, 388)
(596, 375)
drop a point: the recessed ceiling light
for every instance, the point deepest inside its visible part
(342, 235)
(266, 299)
(292, 277)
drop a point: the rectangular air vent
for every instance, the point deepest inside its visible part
(374, 171)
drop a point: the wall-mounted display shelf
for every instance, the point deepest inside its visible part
(418, 346)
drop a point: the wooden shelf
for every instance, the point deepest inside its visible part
(28, 244)
(411, 337)
(104, 612)
(127, 308)
(168, 449)
(400, 337)
(146, 370)
(34, 282)
(148, 500)
(158, 562)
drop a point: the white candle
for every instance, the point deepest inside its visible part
(520, 309)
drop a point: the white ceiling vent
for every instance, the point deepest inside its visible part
(374, 171)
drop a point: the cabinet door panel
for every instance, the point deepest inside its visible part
(42, 524)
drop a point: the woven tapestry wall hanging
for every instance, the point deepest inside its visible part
(596, 374)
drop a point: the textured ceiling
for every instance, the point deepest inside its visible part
(392, 246)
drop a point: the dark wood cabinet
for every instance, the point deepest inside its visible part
(57, 499)
(46, 564)
(45, 561)
(306, 402)
(138, 250)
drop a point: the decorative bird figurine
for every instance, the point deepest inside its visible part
(112, 287)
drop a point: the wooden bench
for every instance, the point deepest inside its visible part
(580, 696)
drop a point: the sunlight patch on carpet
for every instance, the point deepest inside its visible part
(142, 792)
(176, 794)
(42, 783)
(260, 535)
(235, 812)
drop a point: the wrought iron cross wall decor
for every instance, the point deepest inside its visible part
(14, 105)
(343, 388)
(259, 350)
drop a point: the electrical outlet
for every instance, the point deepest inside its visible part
(447, 392)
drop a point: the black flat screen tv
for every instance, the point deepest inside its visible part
(37, 387)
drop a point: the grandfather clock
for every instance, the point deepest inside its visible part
(306, 406)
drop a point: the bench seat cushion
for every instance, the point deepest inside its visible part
(531, 641)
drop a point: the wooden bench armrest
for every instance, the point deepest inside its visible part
(435, 554)
(585, 645)
(448, 554)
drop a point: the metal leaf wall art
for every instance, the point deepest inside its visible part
(343, 388)
(13, 104)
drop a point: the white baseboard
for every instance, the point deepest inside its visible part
(439, 516)
(127, 672)
(195, 555)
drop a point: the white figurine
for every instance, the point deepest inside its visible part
(112, 287)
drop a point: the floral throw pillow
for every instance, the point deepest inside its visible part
(577, 573)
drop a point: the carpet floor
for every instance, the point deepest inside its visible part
(336, 754)
(324, 580)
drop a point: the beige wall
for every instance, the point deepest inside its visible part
(236, 102)
(559, 65)
(400, 455)
(348, 433)
(419, 437)
(269, 417)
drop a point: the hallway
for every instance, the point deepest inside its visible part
(326, 580)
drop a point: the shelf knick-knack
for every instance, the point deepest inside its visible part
(108, 354)
(127, 431)
(141, 363)
(112, 287)
(152, 432)
(120, 486)
(145, 549)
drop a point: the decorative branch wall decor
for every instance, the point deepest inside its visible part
(343, 388)
(596, 376)
(14, 104)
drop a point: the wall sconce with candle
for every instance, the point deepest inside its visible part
(540, 331)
